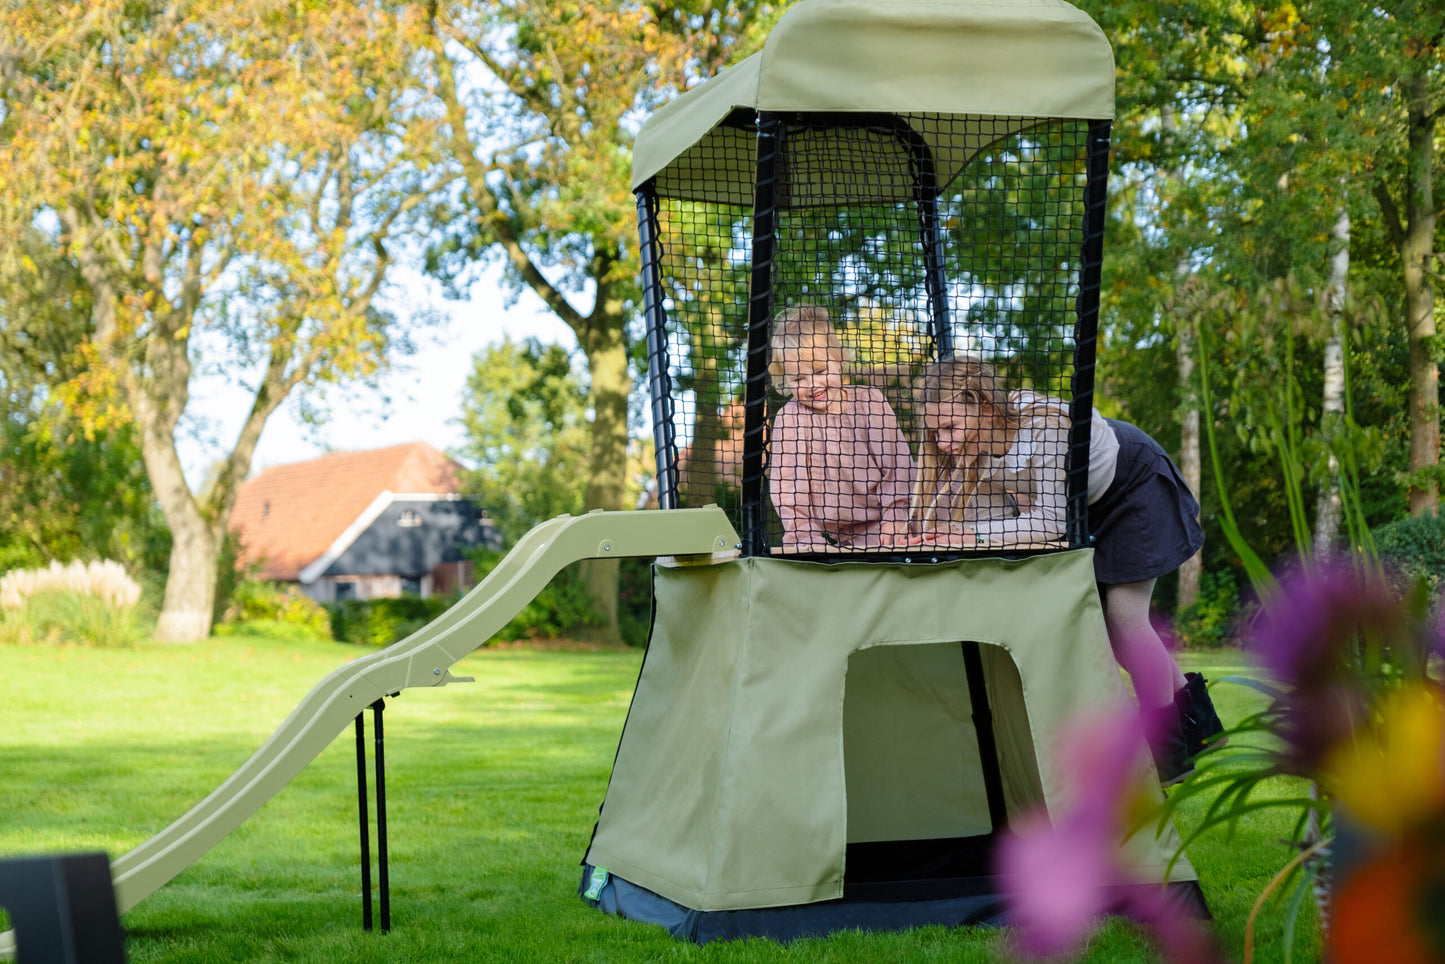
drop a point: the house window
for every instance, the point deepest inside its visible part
(345, 590)
(409, 519)
(410, 587)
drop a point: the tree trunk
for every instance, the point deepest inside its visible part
(1189, 459)
(190, 595)
(1420, 216)
(1332, 405)
(607, 472)
(702, 476)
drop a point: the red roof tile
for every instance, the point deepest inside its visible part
(288, 515)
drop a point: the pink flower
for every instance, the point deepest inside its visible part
(1061, 876)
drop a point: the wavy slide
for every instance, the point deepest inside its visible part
(422, 659)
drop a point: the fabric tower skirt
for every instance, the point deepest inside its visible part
(1146, 524)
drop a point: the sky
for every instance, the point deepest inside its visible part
(419, 400)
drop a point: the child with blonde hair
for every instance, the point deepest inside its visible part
(991, 471)
(840, 470)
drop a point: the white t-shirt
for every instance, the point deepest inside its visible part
(1021, 495)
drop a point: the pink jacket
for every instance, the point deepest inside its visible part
(847, 474)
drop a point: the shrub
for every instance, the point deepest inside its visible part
(275, 610)
(562, 608)
(1417, 546)
(1209, 622)
(381, 622)
(634, 601)
(91, 604)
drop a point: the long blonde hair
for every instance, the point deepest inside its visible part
(961, 378)
(796, 330)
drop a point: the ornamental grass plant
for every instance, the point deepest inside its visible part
(83, 603)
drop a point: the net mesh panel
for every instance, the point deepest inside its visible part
(898, 241)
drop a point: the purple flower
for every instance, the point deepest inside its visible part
(1182, 939)
(1061, 876)
(1311, 722)
(1307, 627)
(1057, 881)
(1438, 646)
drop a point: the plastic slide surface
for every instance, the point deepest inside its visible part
(423, 659)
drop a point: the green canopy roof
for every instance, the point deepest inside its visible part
(933, 62)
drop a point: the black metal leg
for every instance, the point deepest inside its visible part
(365, 823)
(381, 877)
(983, 726)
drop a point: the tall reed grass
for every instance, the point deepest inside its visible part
(82, 603)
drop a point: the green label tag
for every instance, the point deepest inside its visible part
(595, 883)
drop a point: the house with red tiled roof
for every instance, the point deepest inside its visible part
(361, 525)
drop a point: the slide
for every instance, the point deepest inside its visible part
(423, 659)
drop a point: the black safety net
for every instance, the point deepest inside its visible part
(874, 333)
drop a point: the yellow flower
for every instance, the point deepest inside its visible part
(1391, 776)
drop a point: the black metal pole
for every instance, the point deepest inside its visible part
(1086, 329)
(365, 822)
(655, 319)
(381, 874)
(983, 726)
(925, 184)
(760, 308)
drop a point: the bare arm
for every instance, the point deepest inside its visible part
(788, 483)
(890, 450)
(1039, 489)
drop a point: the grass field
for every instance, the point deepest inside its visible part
(492, 791)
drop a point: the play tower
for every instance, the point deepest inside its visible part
(833, 734)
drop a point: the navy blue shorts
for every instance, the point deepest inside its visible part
(1146, 524)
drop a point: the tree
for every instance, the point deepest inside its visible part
(224, 178)
(65, 493)
(525, 419)
(1179, 87)
(541, 100)
(1397, 72)
(1296, 159)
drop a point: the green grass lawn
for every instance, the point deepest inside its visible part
(492, 791)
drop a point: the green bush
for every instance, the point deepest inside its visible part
(634, 600)
(1209, 623)
(276, 610)
(1416, 546)
(562, 608)
(54, 617)
(381, 622)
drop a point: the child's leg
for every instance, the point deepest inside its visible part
(1181, 716)
(1137, 647)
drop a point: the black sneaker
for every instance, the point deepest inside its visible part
(1197, 719)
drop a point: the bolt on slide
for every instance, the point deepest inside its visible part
(423, 659)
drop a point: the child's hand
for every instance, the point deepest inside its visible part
(1021, 501)
(949, 534)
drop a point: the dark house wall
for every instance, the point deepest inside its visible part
(390, 547)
